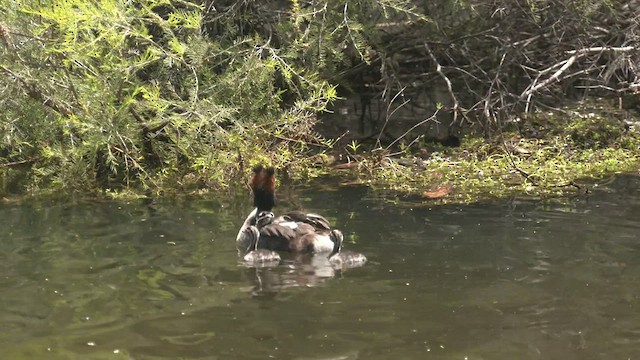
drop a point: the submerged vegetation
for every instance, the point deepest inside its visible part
(157, 96)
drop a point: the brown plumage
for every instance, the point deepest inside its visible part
(282, 237)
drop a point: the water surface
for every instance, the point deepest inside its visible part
(557, 279)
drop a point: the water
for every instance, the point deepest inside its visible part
(558, 279)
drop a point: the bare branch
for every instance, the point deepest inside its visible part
(456, 105)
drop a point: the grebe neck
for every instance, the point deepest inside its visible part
(250, 220)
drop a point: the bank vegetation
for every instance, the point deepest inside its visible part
(164, 96)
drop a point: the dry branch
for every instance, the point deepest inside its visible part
(566, 64)
(456, 105)
(16, 163)
(551, 80)
(601, 49)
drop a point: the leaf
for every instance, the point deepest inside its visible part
(438, 192)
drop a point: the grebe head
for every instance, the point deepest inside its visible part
(337, 238)
(263, 185)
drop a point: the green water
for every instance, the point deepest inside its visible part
(558, 279)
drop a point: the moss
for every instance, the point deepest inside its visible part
(566, 154)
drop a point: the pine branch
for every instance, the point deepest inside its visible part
(38, 94)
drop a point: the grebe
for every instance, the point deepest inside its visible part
(294, 232)
(344, 259)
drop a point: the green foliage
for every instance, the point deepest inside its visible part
(157, 95)
(354, 146)
(595, 132)
(161, 95)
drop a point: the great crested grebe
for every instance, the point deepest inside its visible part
(344, 259)
(294, 232)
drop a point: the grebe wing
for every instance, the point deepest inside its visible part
(319, 222)
(286, 230)
(288, 236)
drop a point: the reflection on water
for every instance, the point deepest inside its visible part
(557, 279)
(300, 271)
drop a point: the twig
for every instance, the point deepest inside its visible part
(566, 64)
(495, 81)
(600, 49)
(21, 162)
(388, 115)
(553, 79)
(456, 105)
(411, 129)
(571, 184)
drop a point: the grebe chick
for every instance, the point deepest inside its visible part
(344, 259)
(255, 256)
(264, 218)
